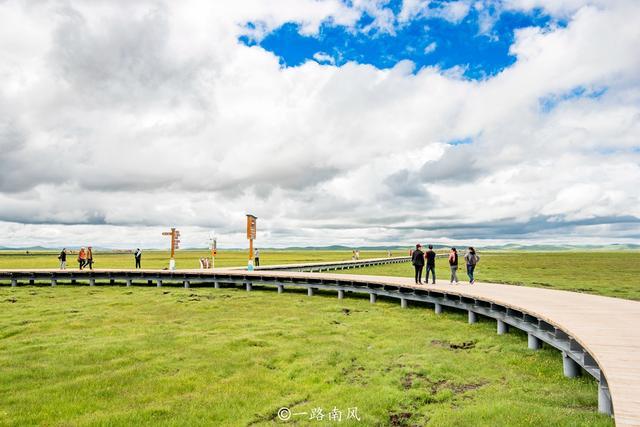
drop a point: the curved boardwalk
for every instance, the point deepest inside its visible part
(601, 335)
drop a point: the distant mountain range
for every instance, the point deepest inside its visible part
(505, 247)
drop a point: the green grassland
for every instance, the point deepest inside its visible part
(173, 356)
(615, 274)
(184, 258)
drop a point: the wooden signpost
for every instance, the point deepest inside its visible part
(175, 244)
(251, 235)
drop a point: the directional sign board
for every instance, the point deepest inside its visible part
(251, 227)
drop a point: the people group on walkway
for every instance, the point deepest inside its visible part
(420, 259)
(85, 258)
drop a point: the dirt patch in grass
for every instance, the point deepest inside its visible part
(465, 345)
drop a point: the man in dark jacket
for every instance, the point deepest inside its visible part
(431, 264)
(417, 259)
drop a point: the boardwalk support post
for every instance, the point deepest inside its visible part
(534, 343)
(340, 294)
(14, 282)
(403, 302)
(372, 298)
(159, 283)
(248, 286)
(280, 289)
(128, 282)
(570, 367)
(216, 285)
(503, 328)
(186, 284)
(54, 282)
(605, 405)
(310, 292)
(437, 308)
(92, 282)
(473, 317)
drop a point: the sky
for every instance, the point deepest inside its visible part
(353, 122)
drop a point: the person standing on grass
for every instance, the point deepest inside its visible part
(430, 256)
(417, 259)
(82, 258)
(90, 257)
(256, 258)
(471, 259)
(63, 259)
(138, 256)
(453, 264)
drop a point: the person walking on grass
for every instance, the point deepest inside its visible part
(138, 257)
(471, 258)
(63, 259)
(453, 264)
(417, 259)
(82, 258)
(430, 256)
(90, 257)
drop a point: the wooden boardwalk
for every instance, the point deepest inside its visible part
(604, 329)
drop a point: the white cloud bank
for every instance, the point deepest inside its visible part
(118, 119)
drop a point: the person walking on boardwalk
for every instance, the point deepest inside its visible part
(138, 257)
(417, 259)
(453, 264)
(471, 259)
(256, 258)
(82, 258)
(90, 257)
(63, 259)
(430, 256)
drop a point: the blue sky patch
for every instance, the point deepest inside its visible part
(548, 103)
(427, 41)
(463, 141)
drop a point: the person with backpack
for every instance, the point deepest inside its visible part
(430, 256)
(417, 259)
(138, 257)
(471, 259)
(63, 259)
(453, 265)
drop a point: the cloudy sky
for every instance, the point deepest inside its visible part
(335, 122)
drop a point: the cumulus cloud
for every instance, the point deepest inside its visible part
(118, 119)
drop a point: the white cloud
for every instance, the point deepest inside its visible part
(431, 47)
(122, 119)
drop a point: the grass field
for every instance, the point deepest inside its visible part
(615, 274)
(184, 259)
(202, 356)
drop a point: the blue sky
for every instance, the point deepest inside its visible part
(426, 41)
